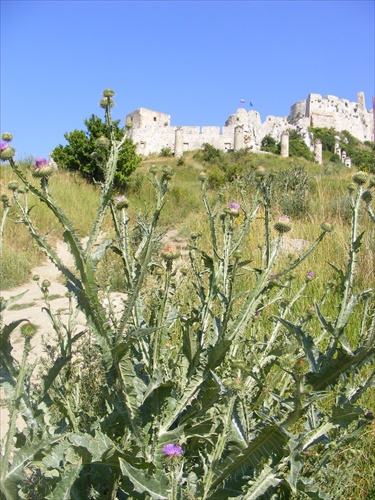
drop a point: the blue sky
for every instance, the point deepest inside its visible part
(194, 60)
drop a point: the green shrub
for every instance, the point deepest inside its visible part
(209, 154)
(88, 151)
(166, 152)
(298, 147)
(271, 145)
(292, 191)
(327, 136)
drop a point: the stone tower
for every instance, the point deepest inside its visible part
(318, 151)
(284, 150)
(238, 137)
(178, 143)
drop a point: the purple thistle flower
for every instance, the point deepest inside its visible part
(234, 206)
(311, 274)
(172, 450)
(40, 162)
(284, 218)
(122, 197)
(121, 202)
(4, 145)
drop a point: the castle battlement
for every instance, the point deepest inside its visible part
(151, 130)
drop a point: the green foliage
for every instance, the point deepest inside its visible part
(209, 154)
(292, 191)
(326, 135)
(361, 154)
(271, 145)
(166, 152)
(259, 396)
(298, 147)
(84, 154)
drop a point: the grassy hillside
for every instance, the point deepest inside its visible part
(324, 192)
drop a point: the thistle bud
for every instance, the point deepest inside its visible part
(327, 227)
(202, 177)
(369, 415)
(28, 330)
(310, 311)
(310, 276)
(46, 284)
(108, 93)
(260, 171)
(7, 137)
(170, 252)
(6, 151)
(360, 178)
(351, 187)
(13, 185)
(233, 209)
(371, 182)
(121, 202)
(153, 169)
(301, 366)
(43, 168)
(167, 171)
(367, 196)
(283, 225)
(196, 235)
(102, 142)
(106, 102)
(36, 277)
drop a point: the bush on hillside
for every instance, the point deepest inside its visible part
(298, 147)
(87, 152)
(166, 152)
(270, 145)
(208, 154)
(361, 154)
(326, 135)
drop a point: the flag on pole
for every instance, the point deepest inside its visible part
(251, 104)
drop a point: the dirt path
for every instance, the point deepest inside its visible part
(30, 307)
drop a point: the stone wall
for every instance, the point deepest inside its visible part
(340, 114)
(151, 130)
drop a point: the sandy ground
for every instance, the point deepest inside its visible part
(32, 304)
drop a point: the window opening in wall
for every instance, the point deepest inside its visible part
(227, 146)
(154, 118)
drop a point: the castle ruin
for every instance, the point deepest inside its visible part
(151, 130)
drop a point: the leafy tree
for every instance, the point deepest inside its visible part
(361, 154)
(87, 152)
(209, 154)
(270, 144)
(297, 146)
(327, 136)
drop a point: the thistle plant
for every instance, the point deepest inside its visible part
(211, 384)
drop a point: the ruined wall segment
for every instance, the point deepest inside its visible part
(333, 112)
(151, 130)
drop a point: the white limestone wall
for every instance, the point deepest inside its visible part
(152, 131)
(151, 139)
(143, 117)
(341, 114)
